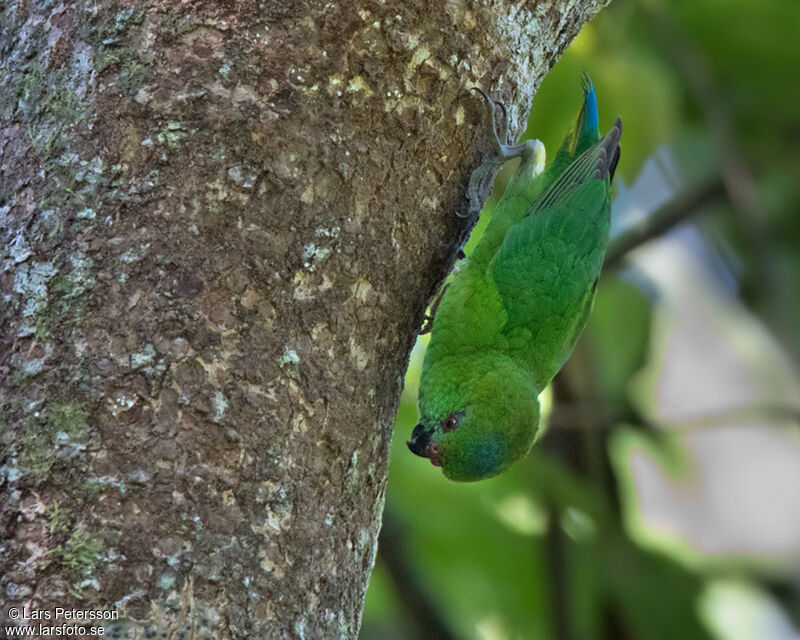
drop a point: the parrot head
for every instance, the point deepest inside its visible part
(479, 430)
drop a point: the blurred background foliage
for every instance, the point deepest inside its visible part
(664, 500)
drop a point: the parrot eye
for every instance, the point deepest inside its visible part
(452, 422)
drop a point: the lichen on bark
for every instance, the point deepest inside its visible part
(221, 224)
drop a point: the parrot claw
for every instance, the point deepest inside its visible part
(427, 325)
(426, 328)
(482, 178)
(502, 149)
(493, 119)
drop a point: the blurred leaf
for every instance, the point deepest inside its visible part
(737, 610)
(752, 47)
(674, 487)
(656, 598)
(618, 335)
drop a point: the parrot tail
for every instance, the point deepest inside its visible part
(588, 118)
(610, 146)
(586, 130)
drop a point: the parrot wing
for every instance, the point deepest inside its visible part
(547, 265)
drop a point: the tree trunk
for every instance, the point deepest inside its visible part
(221, 224)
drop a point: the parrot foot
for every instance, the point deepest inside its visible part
(482, 178)
(428, 325)
(501, 148)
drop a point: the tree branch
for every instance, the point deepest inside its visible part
(671, 214)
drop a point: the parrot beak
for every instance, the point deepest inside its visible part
(422, 445)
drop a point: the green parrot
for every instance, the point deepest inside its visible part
(511, 315)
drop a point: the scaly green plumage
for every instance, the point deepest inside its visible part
(511, 316)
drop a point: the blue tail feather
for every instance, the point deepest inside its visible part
(586, 131)
(590, 124)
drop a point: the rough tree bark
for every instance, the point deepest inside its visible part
(221, 223)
